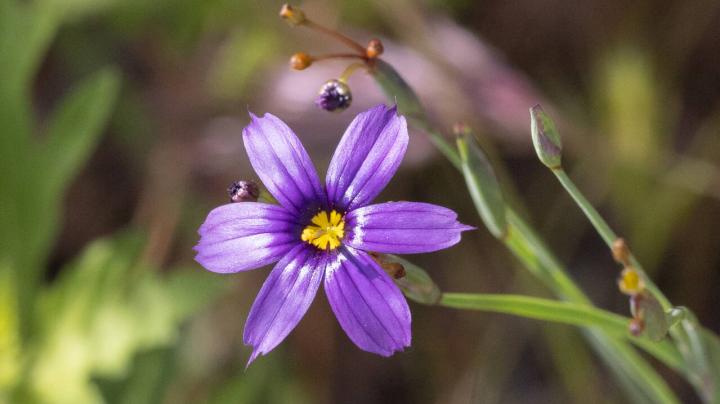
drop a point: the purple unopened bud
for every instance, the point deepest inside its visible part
(243, 191)
(334, 96)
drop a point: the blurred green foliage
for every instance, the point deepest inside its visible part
(55, 338)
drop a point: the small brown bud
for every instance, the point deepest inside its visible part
(293, 15)
(243, 191)
(636, 327)
(300, 61)
(621, 252)
(374, 48)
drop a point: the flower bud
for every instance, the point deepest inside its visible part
(374, 48)
(546, 138)
(293, 15)
(481, 182)
(630, 282)
(243, 191)
(300, 61)
(334, 95)
(621, 252)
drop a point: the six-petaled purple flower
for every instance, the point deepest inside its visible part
(324, 234)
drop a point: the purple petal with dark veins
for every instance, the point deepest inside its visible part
(284, 298)
(403, 228)
(245, 235)
(282, 163)
(367, 157)
(367, 303)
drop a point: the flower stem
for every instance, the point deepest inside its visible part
(345, 76)
(604, 230)
(336, 35)
(337, 56)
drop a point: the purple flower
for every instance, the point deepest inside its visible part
(323, 234)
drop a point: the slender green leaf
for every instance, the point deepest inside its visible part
(561, 312)
(77, 124)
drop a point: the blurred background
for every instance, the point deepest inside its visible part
(120, 128)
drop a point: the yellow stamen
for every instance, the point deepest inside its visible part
(326, 231)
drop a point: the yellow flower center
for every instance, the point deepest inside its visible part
(326, 230)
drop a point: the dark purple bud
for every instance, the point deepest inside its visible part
(243, 191)
(334, 96)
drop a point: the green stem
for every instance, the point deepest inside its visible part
(600, 225)
(605, 231)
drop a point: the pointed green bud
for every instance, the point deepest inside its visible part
(546, 138)
(481, 182)
(415, 283)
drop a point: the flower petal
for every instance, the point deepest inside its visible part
(284, 298)
(367, 157)
(367, 303)
(403, 228)
(246, 235)
(282, 163)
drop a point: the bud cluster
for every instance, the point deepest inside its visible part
(335, 95)
(648, 316)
